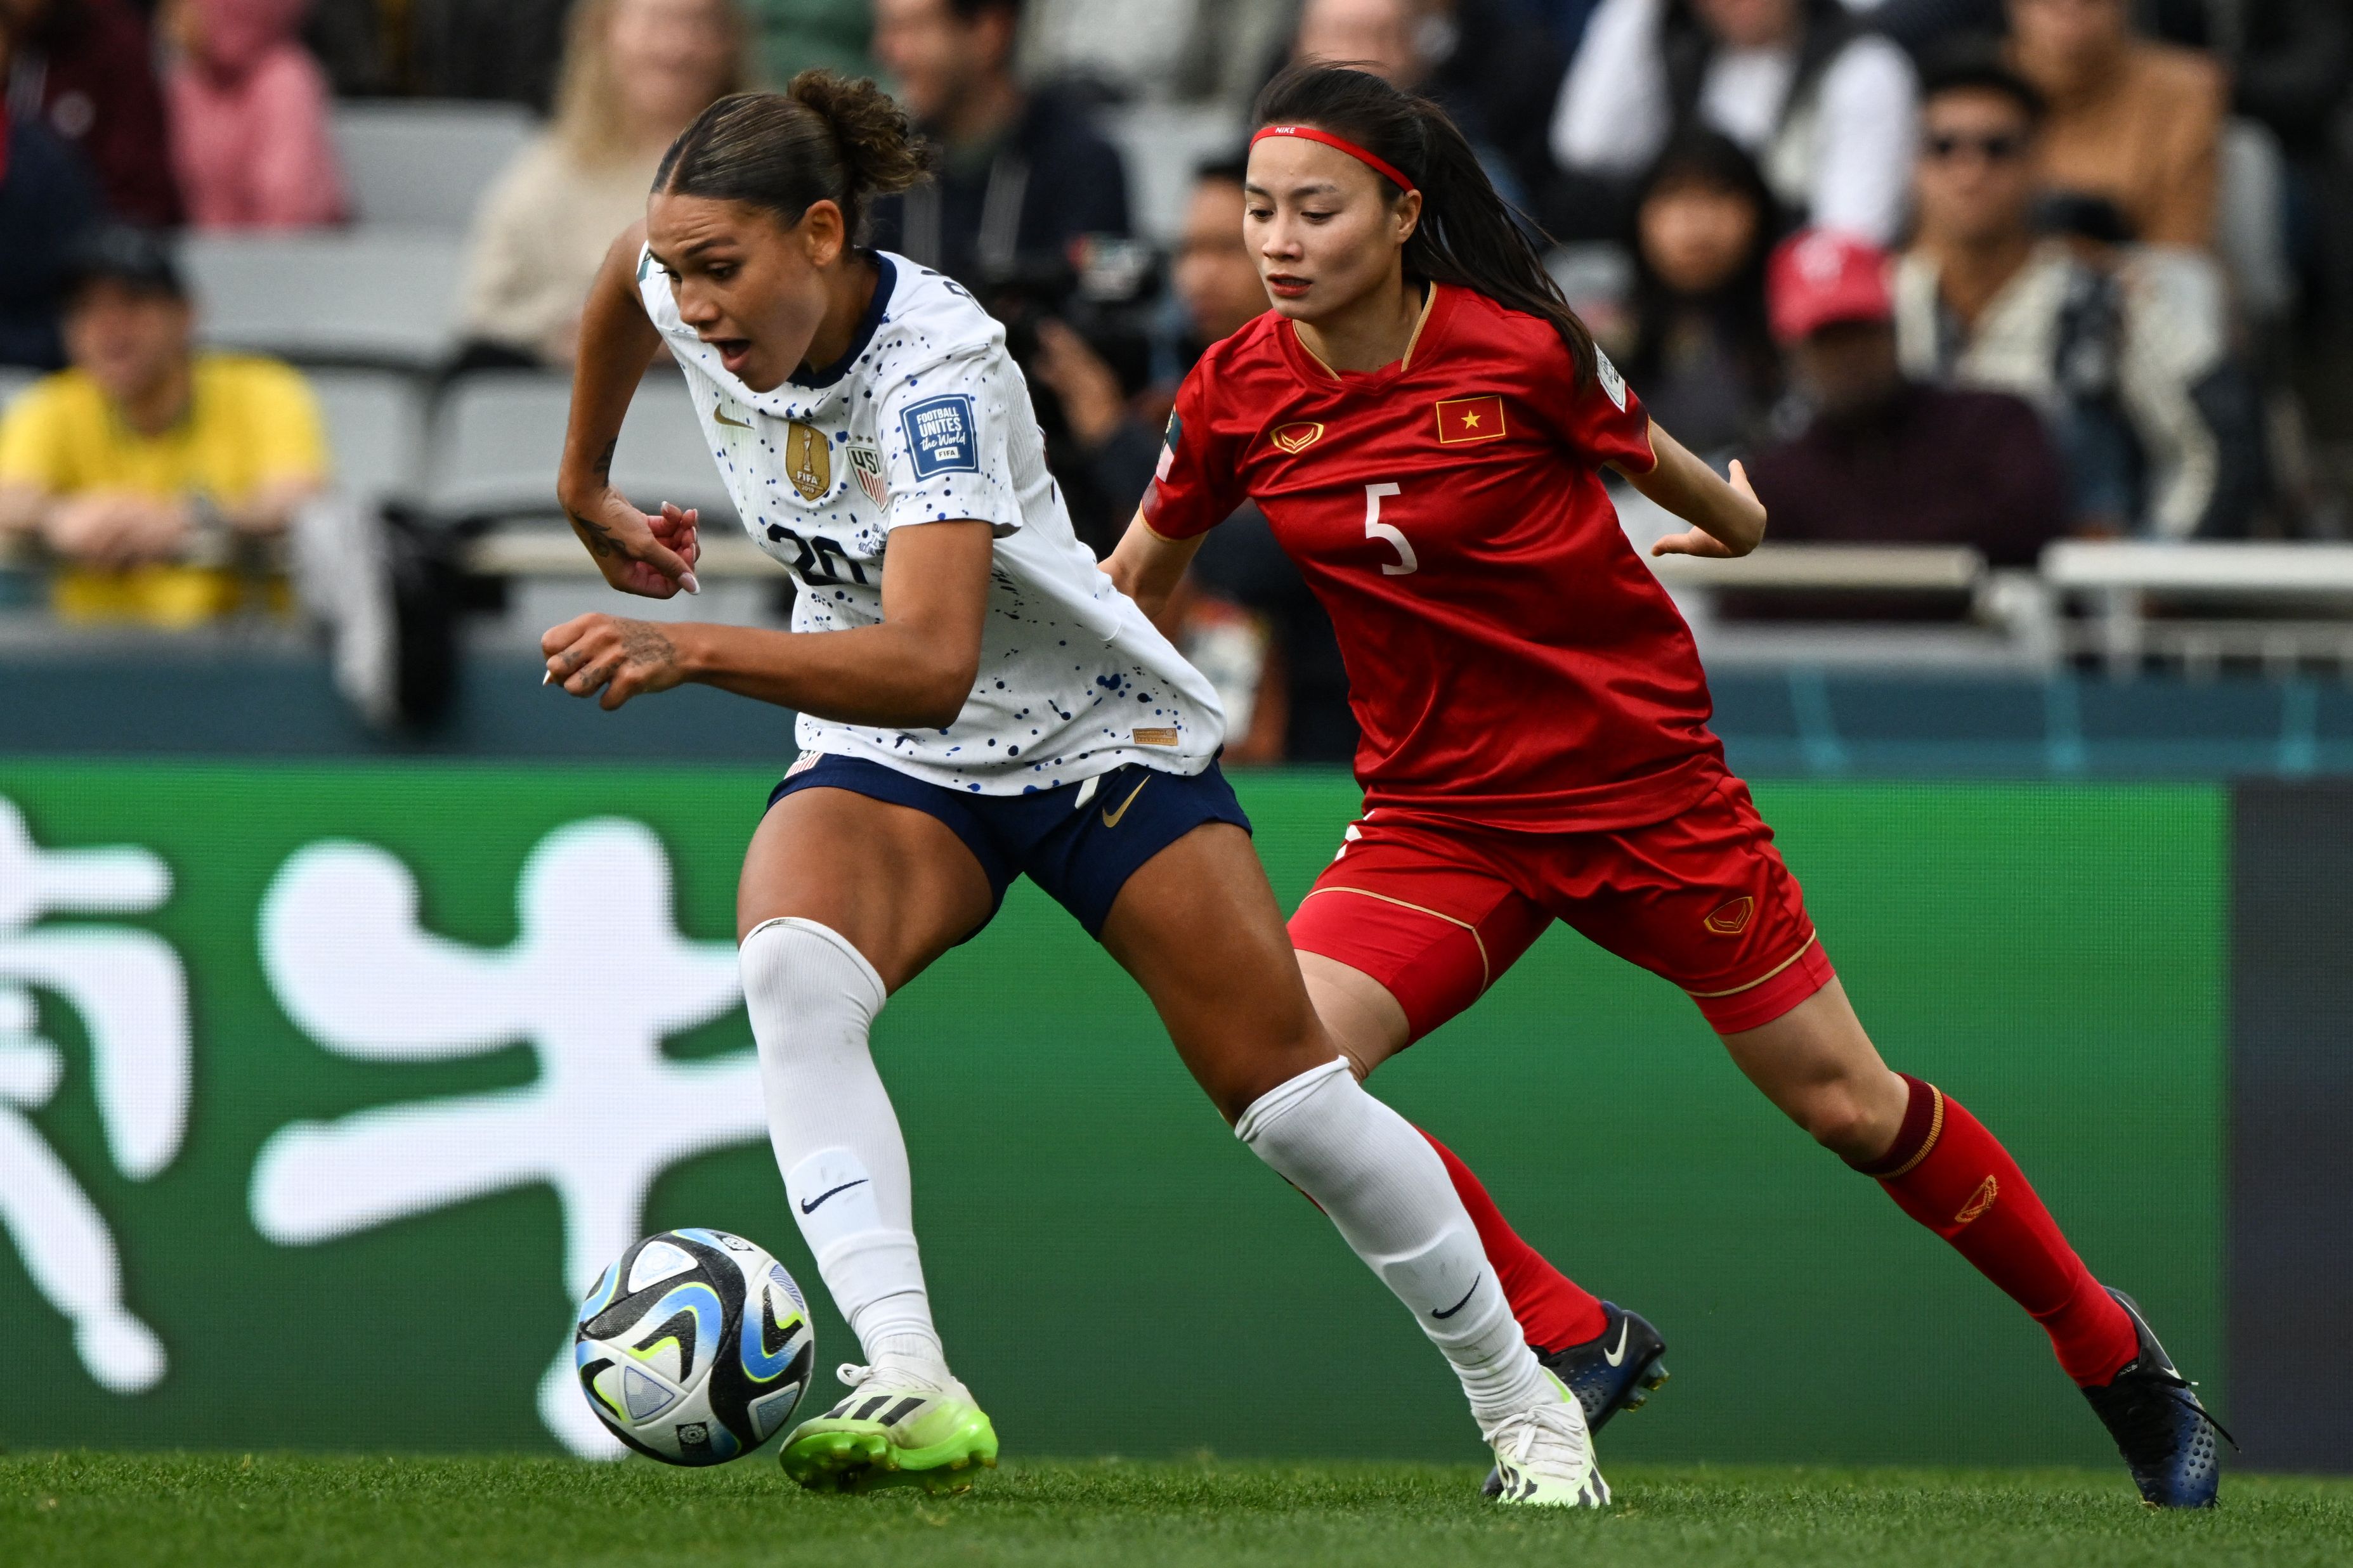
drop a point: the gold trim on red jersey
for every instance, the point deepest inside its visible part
(1803, 949)
(1429, 304)
(1486, 972)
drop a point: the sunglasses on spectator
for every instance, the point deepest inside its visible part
(1998, 148)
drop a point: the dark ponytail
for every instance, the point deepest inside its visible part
(1468, 235)
(824, 138)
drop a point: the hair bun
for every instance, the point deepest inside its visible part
(879, 147)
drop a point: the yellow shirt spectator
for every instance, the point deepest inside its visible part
(251, 423)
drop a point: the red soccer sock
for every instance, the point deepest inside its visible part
(1948, 1173)
(1554, 1313)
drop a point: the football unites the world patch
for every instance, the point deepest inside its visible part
(942, 435)
(1612, 383)
(1463, 420)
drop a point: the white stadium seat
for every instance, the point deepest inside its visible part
(426, 165)
(498, 436)
(496, 440)
(376, 431)
(369, 297)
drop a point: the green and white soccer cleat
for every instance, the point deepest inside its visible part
(892, 1431)
(1543, 1458)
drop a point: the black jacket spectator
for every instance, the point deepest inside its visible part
(1497, 71)
(2290, 63)
(48, 201)
(1013, 208)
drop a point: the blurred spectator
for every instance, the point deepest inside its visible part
(250, 133)
(635, 74)
(1698, 346)
(1825, 108)
(1493, 68)
(508, 51)
(2121, 351)
(151, 471)
(1217, 291)
(1216, 277)
(2137, 122)
(795, 35)
(2289, 61)
(2290, 64)
(46, 202)
(1886, 460)
(86, 67)
(1022, 174)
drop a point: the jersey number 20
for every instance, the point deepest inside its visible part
(1406, 561)
(821, 559)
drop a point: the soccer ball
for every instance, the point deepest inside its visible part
(694, 1348)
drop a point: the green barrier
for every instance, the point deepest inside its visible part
(358, 1071)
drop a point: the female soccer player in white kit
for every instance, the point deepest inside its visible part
(977, 702)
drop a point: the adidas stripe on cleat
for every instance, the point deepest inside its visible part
(911, 1436)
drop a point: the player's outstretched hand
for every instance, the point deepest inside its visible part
(652, 557)
(622, 658)
(1700, 542)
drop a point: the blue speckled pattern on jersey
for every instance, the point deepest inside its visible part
(933, 413)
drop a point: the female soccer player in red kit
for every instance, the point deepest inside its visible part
(1424, 422)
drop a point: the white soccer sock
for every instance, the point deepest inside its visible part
(813, 997)
(1380, 1181)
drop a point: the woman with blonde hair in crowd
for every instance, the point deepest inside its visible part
(635, 73)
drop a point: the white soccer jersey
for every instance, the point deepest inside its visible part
(927, 419)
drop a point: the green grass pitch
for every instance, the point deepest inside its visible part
(175, 1509)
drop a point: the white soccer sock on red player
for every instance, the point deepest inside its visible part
(1385, 1188)
(813, 998)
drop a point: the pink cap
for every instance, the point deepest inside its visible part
(1820, 277)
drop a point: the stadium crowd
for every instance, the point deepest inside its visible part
(1988, 273)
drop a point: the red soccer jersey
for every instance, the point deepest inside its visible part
(1511, 659)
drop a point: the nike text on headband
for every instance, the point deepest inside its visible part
(1380, 166)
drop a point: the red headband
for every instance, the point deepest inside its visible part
(1387, 170)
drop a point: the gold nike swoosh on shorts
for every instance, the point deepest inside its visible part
(739, 423)
(1111, 818)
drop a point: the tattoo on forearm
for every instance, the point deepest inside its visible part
(596, 536)
(605, 458)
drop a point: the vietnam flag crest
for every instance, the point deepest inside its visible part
(1464, 420)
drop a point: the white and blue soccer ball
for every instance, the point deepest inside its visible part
(695, 1348)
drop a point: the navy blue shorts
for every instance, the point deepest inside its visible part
(1080, 843)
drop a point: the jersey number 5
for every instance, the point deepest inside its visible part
(1375, 527)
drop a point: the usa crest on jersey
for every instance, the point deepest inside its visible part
(866, 468)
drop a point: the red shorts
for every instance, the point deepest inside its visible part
(1437, 910)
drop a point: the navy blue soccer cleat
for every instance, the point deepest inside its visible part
(1618, 1369)
(2160, 1428)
